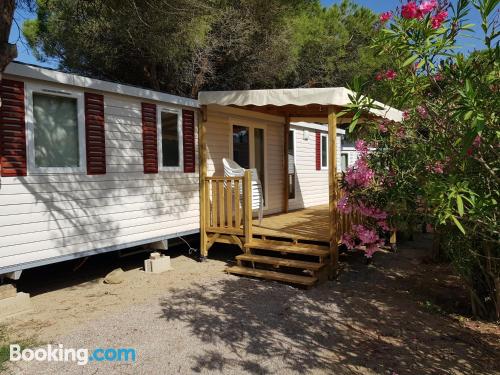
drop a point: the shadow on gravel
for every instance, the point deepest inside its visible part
(365, 321)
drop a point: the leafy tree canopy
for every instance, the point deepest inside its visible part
(183, 46)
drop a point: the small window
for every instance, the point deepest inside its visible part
(324, 151)
(55, 132)
(170, 144)
(344, 162)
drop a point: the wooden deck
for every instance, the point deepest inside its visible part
(294, 247)
(309, 224)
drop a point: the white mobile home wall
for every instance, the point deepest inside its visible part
(311, 185)
(52, 217)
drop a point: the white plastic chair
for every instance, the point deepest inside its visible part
(233, 169)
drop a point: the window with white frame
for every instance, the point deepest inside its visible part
(56, 133)
(170, 139)
(324, 151)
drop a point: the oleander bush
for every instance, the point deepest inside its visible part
(440, 164)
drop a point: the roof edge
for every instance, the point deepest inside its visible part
(55, 76)
(327, 96)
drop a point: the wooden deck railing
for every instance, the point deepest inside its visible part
(228, 208)
(228, 203)
(346, 221)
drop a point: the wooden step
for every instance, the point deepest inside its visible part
(273, 275)
(281, 262)
(286, 247)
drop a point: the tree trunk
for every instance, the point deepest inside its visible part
(436, 246)
(8, 51)
(497, 300)
(491, 271)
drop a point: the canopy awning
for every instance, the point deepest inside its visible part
(301, 102)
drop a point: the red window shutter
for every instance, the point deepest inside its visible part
(149, 138)
(94, 134)
(12, 129)
(188, 141)
(318, 151)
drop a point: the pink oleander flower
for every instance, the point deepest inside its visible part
(360, 175)
(437, 167)
(368, 238)
(438, 19)
(422, 111)
(364, 238)
(438, 77)
(390, 75)
(380, 76)
(365, 235)
(349, 241)
(386, 16)
(361, 146)
(343, 205)
(427, 7)
(373, 212)
(406, 115)
(477, 141)
(401, 133)
(383, 128)
(383, 225)
(372, 249)
(410, 10)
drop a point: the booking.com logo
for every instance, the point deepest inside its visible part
(82, 356)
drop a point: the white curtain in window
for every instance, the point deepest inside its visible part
(55, 131)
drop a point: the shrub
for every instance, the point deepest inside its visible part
(440, 164)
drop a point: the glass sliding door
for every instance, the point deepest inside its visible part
(259, 155)
(241, 146)
(291, 164)
(249, 150)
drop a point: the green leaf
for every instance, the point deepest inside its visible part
(354, 121)
(457, 223)
(468, 26)
(460, 205)
(480, 123)
(410, 60)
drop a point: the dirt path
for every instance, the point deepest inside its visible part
(386, 318)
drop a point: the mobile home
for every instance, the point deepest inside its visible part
(90, 166)
(281, 139)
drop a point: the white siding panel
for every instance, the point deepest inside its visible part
(46, 216)
(275, 168)
(62, 218)
(28, 203)
(75, 234)
(311, 185)
(54, 252)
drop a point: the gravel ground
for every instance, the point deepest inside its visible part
(371, 321)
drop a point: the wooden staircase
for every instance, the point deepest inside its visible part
(283, 260)
(268, 254)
